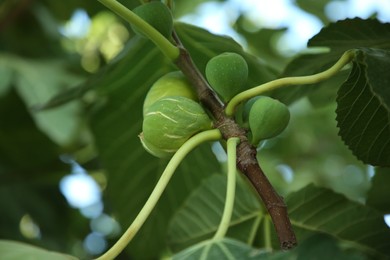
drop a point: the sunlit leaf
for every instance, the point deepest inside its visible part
(322, 210)
(12, 250)
(364, 107)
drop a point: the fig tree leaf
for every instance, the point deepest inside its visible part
(314, 209)
(315, 7)
(379, 193)
(93, 83)
(36, 82)
(363, 107)
(323, 247)
(200, 215)
(12, 250)
(353, 33)
(262, 43)
(204, 45)
(6, 75)
(23, 148)
(225, 249)
(337, 37)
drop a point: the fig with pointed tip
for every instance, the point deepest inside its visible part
(227, 74)
(268, 117)
(171, 84)
(170, 122)
(158, 15)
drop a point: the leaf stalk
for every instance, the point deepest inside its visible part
(188, 146)
(231, 188)
(288, 81)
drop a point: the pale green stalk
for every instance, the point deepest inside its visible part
(169, 50)
(267, 233)
(193, 142)
(231, 188)
(278, 83)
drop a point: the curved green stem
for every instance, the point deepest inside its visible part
(267, 233)
(170, 50)
(231, 188)
(124, 240)
(278, 83)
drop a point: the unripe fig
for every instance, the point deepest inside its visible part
(268, 117)
(170, 122)
(153, 150)
(171, 84)
(158, 15)
(246, 109)
(227, 74)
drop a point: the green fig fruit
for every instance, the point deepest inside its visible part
(246, 109)
(171, 84)
(268, 117)
(170, 122)
(158, 15)
(227, 74)
(153, 150)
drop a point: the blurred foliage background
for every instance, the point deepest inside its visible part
(49, 47)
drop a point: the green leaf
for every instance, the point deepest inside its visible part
(23, 148)
(324, 247)
(204, 45)
(36, 82)
(379, 193)
(6, 75)
(310, 64)
(337, 37)
(315, 7)
(94, 82)
(12, 250)
(364, 107)
(318, 246)
(44, 204)
(224, 249)
(314, 209)
(199, 217)
(116, 124)
(262, 42)
(353, 33)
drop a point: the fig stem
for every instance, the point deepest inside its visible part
(166, 47)
(287, 81)
(267, 233)
(231, 188)
(188, 146)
